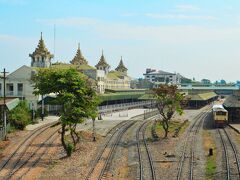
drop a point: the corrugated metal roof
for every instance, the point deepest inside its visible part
(10, 103)
(202, 97)
(232, 101)
(210, 87)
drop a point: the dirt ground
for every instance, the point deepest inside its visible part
(78, 165)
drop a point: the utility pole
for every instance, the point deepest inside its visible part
(42, 114)
(94, 134)
(4, 104)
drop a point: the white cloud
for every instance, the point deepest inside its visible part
(179, 16)
(187, 7)
(163, 33)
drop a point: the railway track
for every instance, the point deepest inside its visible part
(27, 151)
(120, 129)
(103, 160)
(230, 154)
(101, 166)
(140, 136)
(111, 133)
(189, 148)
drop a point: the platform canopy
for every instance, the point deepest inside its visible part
(10, 103)
(202, 97)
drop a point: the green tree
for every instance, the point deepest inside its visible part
(20, 116)
(168, 101)
(74, 92)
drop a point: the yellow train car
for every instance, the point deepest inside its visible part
(220, 115)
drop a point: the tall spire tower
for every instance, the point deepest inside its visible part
(121, 67)
(102, 64)
(41, 57)
(79, 59)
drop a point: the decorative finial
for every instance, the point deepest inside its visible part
(102, 52)
(121, 57)
(78, 45)
(41, 35)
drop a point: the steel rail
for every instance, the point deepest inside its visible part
(198, 120)
(33, 135)
(226, 156)
(234, 151)
(104, 147)
(149, 154)
(14, 170)
(110, 154)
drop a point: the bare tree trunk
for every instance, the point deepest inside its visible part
(165, 127)
(72, 135)
(153, 130)
(62, 137)
(76, 134)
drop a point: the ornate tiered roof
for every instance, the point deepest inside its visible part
(121, 67)
(41, 49)
(79, 59)
(102, 62)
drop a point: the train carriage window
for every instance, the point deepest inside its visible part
(220, 113)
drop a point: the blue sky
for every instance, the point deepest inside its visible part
(198, 39)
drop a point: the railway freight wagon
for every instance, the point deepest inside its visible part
(220, 116)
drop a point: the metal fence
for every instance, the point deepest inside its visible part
(108, 108)
(124, 106)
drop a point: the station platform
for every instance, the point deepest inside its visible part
(236, 127)
(46, 120)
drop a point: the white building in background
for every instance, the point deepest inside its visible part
(18, 85)
(159, 77)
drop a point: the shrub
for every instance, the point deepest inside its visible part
(69, 149)
(20, 116)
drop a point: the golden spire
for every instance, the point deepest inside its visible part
(79, 59)
(121, 67)
(102, 62)
(41, 49)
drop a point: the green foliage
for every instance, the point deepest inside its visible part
(74, 93)
(20, 116)
(70, 148)
(168, 102)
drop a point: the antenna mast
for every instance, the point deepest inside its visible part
(54, 41)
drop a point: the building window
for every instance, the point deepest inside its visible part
(160, 79)
(20, 89)
(9, 89)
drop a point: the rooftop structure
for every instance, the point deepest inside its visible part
(102, 64)
(41, 57)
(78, 58)
(121, 67)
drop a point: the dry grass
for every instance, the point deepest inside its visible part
(173, 126)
